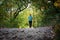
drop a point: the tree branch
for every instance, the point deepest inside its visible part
(17, 12)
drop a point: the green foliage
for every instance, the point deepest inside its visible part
(10, 9)
(39, 3)
(12, 13)
(23, 18)
(57, 31)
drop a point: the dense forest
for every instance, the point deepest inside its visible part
(14, 13)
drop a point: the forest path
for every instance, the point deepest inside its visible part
(26, 33)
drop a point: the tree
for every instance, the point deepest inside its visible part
(9, 10)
